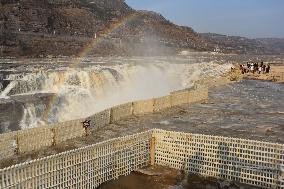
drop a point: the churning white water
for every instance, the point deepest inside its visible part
(81, 91)
(8, 89)
(32, 116)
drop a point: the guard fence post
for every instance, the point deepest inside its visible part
(152, 150)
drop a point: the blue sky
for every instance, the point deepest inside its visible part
(249, 18)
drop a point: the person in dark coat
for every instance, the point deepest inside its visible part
(268, 68)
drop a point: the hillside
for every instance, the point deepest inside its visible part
(242, 45)
(72, 27)
(276, 44)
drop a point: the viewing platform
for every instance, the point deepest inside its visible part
(245, 161)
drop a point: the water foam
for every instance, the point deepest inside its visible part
(81, 92)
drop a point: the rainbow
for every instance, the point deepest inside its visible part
(86, 49)
(96, 41)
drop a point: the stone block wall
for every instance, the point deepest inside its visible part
(143, 107)
(162, 103)
(121, 111)
(68, 130)
(197, 95)
(7, 144)
(179, 98)
(34, 139)
(99, 119)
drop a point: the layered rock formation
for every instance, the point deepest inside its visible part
(70, 27)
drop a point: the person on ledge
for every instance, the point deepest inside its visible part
(263, 68)
(267, 68)
(259, 69)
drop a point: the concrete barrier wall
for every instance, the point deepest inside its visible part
(143, 107)
(197, 95)
(34, 139)
(99, 119)
(179, 98)
(162, 103)
(68, 130)
(7, 144)
(121, 111)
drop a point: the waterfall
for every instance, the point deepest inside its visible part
(7, 90)
(32, 116)
(83, 91)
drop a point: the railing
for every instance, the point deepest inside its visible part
(246, 161)
(28, 140)
(86, 167)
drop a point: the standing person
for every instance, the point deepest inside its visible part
(245, 69)
(248, 65)
(252, 67)
(261, 64)
(268, 68)
(263, 69)
(256, 67)
(241, 69)
(259, 69)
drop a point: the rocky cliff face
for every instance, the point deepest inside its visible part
(41, 27)
(67, 27)
(62, 17)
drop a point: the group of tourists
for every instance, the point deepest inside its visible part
(253, 67)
